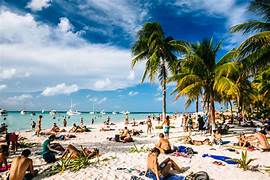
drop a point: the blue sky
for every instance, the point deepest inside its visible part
(53, 51)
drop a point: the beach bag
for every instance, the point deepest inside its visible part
(117, 138)
(201, 175)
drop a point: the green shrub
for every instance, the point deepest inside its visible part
(243, 161)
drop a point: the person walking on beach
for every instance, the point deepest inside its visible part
(39, 125)
(201, 124)
(166, 126)
(65, 122)
(20, 165)
(189, 124)
(93, 121)
(81, 122)
(33, 125)
(149, 125)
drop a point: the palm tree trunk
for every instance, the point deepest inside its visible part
(164, 99)
(197, 106)
(231, 110)
(212, 109)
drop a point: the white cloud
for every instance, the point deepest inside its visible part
(56, 56)
(102, 100)
(60, 89)
(228, 8)
(64, 25)
(2, 86)
(133, 93)
(7, 73)
(131, 75)
(22, 97)
(101, 84)
(37, 5)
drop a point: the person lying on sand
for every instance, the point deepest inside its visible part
(49, 150)
(243, 141)
(74, 153)
(261, 139)
(55, 128)
(163, 169)
(163, 145)
(188, 140)
(20, 165)
(76, 129)
(217, 138)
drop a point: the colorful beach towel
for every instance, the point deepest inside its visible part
(225, 159)
(151, 175)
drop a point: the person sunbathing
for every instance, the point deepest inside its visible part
(163, 144)
(242, 141)
(217, 138)
(262, 142)
(76, 129)
(74, 153)
(188, 140)
(163, 169)
(124, 133)
(20, 165)
(55, 128)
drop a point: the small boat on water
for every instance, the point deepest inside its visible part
(114, 112)
(70, 112)
(3, 112)
(42, 111)
(23, 112)
(53, 112)
(92, 112)
(102, 112)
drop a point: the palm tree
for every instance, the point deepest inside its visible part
(157, 50)
(258, 45)
(196, 74)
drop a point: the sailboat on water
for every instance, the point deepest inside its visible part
(92, 112)
(70, 112)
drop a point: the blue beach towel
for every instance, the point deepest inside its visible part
(225, 159)
(182, 149)
(151, 175)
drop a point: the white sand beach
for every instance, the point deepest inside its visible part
(136, 162)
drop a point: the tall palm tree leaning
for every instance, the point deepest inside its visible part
(256, 47)
(157, 50)
(197, 72)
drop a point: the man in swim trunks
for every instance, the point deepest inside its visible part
(163, 144)
(163, 169)
(20, 165)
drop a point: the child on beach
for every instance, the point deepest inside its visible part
(38, 130)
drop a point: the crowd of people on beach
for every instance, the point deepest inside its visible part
(22, 166)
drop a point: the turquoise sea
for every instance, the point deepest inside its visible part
(18, 122)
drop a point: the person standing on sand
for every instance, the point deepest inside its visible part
(19, 167)
(166, 126)
(93, 121)
(39, 125)
(81, 122)
(33, 125)
(65, 122)
(149, 125)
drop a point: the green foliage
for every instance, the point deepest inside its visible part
(62, 165)
(79, 163)
(135, 149)
(24, 144)
(243, 161)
